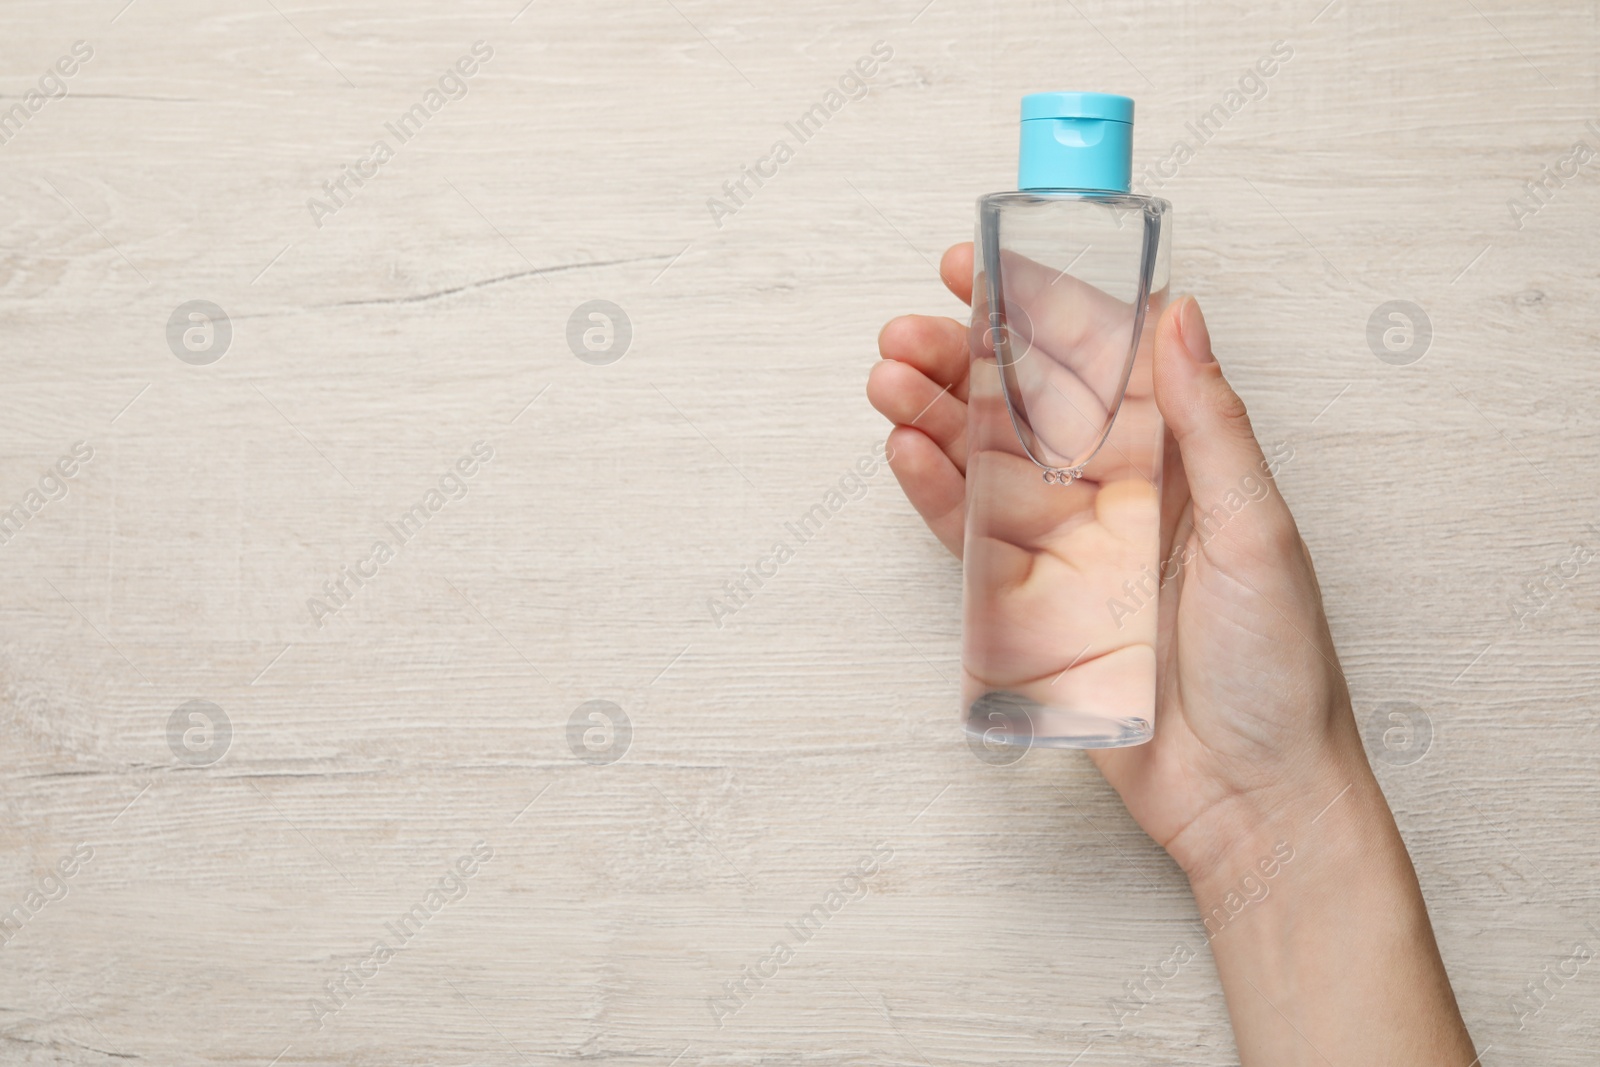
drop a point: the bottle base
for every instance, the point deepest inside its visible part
(1004, 718)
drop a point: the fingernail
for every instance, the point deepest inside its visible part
(1192, 330)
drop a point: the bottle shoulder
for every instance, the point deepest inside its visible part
(1033, 199)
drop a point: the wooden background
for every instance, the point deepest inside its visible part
(766, 756)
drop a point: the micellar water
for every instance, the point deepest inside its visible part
(1063, 544)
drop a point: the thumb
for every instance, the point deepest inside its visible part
(1222, 459)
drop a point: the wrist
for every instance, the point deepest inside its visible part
(1313, 913)
(1328, 795)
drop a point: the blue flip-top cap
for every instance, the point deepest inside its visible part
(1076, 141)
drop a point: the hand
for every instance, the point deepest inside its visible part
(1254, 714)
(1256, 761)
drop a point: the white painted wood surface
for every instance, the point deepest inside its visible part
(769, 755)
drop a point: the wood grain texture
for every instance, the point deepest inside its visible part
(769, 754)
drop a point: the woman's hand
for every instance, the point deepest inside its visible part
(1254, 713)
(1256, 755)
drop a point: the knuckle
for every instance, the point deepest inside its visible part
(1232, 413)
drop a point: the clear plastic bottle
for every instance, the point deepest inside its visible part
(1063, 548)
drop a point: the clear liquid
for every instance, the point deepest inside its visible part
(1062, 581)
